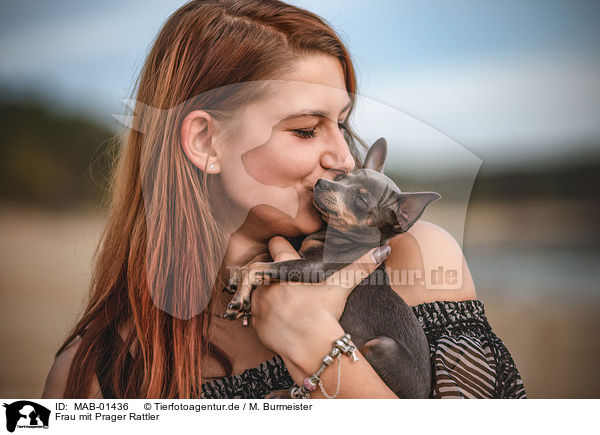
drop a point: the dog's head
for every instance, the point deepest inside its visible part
(366, 198)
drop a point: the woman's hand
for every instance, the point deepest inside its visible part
(300, 320)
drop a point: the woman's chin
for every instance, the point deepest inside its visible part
(269, 220)
(313, 221)
(303, 225)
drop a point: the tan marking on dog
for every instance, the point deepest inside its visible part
(345, 220)
(310, 243)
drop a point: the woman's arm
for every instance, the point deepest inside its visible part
(358, 379)
(299, 322)
(56, 381)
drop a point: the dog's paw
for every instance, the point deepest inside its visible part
(233, 282)
(244, 281)
(240, 303)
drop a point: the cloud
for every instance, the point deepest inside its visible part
(505, 110)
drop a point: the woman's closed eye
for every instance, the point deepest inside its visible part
(306, 133)
(311, 133)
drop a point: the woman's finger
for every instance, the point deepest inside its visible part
(282, 250)
(350, 276)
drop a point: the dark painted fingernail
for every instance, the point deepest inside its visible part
(381, 253)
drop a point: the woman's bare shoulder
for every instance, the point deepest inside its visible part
(56, 380)
(427, 264)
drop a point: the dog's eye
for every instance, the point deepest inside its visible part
(361, 200)
(339, 177)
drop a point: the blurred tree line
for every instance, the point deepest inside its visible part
(50, 158)
(570, 180)
(56, 159)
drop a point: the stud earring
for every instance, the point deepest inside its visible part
(211, 166)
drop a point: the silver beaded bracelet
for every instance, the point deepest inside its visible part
(340, 346)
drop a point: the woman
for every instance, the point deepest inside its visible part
(241, 107)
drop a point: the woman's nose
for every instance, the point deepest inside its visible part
(337, 153)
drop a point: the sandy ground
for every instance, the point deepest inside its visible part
(555, 346)
(44, 276)
(45, 262)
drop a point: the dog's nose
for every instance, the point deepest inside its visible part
(318, 184)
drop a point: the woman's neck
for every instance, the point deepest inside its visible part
(241, 344)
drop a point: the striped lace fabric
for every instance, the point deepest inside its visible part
(468, 360)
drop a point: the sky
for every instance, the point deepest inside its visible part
(510, 83)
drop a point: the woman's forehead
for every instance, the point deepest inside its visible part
(320, 69)
(287, 99)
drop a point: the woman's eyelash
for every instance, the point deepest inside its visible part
(312, 133)
(306, 134)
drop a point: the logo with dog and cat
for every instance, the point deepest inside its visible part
(25, 414)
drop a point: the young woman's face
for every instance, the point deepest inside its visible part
(284, 143)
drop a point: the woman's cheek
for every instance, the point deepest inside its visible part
(275, 174)
(282, 165)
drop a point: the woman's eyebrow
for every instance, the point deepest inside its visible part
(319, 113)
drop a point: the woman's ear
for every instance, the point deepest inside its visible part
(197, 141)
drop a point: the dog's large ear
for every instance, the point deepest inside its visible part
(375, 158)
(411, 206)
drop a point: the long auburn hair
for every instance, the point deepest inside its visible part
(203, 46)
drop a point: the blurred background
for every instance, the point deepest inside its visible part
(496, 105)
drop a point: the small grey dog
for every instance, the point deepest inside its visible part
(363, 210)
